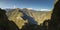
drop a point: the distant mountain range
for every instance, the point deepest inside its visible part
(21, 16)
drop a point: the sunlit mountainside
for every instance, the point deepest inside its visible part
(21, 16)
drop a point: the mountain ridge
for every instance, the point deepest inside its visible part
(21, 16)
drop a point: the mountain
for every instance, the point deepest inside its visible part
(22, 16)
(3, 20)
(5, 23)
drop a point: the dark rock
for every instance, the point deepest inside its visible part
(54, 23)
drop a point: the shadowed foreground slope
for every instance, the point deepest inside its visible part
(5, 24)
(54, 23)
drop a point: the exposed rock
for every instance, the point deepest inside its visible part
(3, 20)
(54, 23)
(5, 23)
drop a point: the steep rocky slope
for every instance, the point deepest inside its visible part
(5, 23)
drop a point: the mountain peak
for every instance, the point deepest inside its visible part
(27, 8)
(17, 8)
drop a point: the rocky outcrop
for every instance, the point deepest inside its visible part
(15, 16)
(54, 23)
(3, 20)
(5, 23)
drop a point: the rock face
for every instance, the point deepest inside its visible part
(5, 23)
(54, 23)
(3, 20)
(15, 16)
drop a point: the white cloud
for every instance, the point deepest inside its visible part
(45, 10)
(42, 9)
(29, 8)
(36, 9)
(5, 7)
(14, 6)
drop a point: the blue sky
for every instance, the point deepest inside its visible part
(34, 4)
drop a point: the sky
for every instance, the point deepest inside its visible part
(31, 4)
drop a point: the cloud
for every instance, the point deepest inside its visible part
(29, 8)
(5, 7)
(44, 10)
